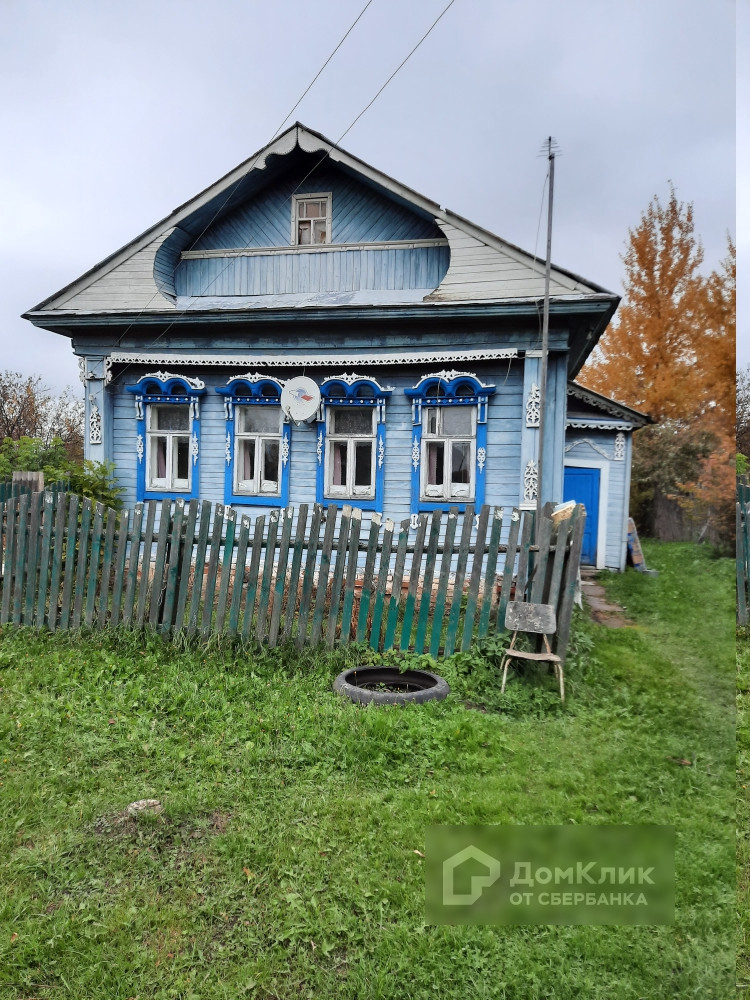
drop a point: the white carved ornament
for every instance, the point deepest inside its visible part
(481, 458)
(353, 377)
(194, 383)
(415, 453)
(285, 449)
(620, 447)
(530, 481)
(228, 448)
(95, 423)
(194, 447)
(533, 406)
(381, 451)
(319, 447)
(139, 448)
(592, 444)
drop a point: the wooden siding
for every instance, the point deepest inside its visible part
(503, 442)
(359, 214)
(344, 271)
(615, 509)
(479, 271)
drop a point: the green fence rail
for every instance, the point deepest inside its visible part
(316, 575)
(743, 549)
(8, 490)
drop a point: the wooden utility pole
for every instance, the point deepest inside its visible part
(551, 148)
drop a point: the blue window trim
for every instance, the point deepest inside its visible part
(449, 383)
(376, 397)
(165, 388)
(248, 390)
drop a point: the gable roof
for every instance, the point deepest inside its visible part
(605, 408)
(483, 268)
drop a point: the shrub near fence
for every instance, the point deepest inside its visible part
(69, 563)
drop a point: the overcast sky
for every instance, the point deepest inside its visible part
(111, 115)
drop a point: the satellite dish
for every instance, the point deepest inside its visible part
(300, 399)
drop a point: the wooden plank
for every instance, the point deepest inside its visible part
(472, 597)
(119, 566)
(338, 574)
(106, 575)
(398, 577)
(186, 564)
(366, 591)
(252, 583)
(524, 551)
(22, 530)
(97, 534)
(66, 602)
(510, 561)
(239, 575)
(84, 542)
(261, 618)
(32, 556)
(2, 542)
(488, 590)
(446, 562)
(323, 574)
(134, 554)
(11, 519)
(541, 561)
(558, 562)
(200, 567)
(308, 579)
(351, 576)
(158, 584)
(48, 517)
(454, 616)
(569, 583)
(299, 541)
(148, 544)
(173, 561)
(380, 587)
(56, 561)
(213, 566)
(741, 562)
(280, 581)
(429, 575)
(226, 569)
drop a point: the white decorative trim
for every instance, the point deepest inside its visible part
(82, 369)
(533, 406)
(194, 383)
(530, 481)
(194, 447)
(228, 448)
(619, 455)
(254, 377)
(414, 522)
(599, 425)
(449, 376)
(606, 405)
(95, 423)
(481, 458)
(321, 248)
(284, 449)
(139, 448)
(381, 451)
(351, 379)
(319, 447)
(591, 444)
(307, 360)
(415, 453)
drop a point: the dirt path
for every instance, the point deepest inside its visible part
(602, 611)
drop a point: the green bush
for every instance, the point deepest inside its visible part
(88, 479)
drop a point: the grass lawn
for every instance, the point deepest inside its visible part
(285, 862)
(743, 812)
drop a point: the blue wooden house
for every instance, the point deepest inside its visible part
(420, 330)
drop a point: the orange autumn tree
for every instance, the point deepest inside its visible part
(666, 355)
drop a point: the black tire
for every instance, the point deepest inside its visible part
(361, 684)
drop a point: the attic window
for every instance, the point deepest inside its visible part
(311, 219)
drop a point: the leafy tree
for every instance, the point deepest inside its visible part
(88, 479)
(743, 411)
(670, 354)
(29, 409)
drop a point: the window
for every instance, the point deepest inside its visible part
(351, 441)
(449, 440)
(311, 219)
(167, 435)
(257, 441)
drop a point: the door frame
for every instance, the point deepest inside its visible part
(602, 464)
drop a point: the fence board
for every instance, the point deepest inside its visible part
(398, 579)
(157, 580)
(135, 553)
(239, 575)
(44, 559)
(94, 574)
(742, 563)
(510, 560)
(309, 575)
(380, 588)
(351, 576)
(323, 574)
(414, 572)
(172, 561)
(458, 585)
(570, 581)
(278, 590)
(187, 540)
(252, 583)
(475, 578)
(524, 553)
(106, 574)
(226, 569)
(265, 584)
(299, 542)
(32, 559)
(148, 545)
(429, 575)
(11, 509)
(200, 567)
(438, 614)
(364, 598)
(22, 530)
(338, 574)
(488, 593)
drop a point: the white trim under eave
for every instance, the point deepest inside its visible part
(601, 533)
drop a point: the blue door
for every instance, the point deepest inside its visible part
(582, 485)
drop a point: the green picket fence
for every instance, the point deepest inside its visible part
(9, 489)
(309, 576)
(743, 549)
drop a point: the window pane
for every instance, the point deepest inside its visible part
(181, 457)
(435, 463)
(303, 233)
(351, 420)
(457, 421)
(363, 463)
(170, 418)
(259, 419)
(338, 473)
(246, 460)
(319, 231)
(311, 210)
(270, 463)
(158, 458)
(460, 458)
(432, 420)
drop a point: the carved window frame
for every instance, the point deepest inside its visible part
(254, 390)
(302, 199)
(166, 389)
